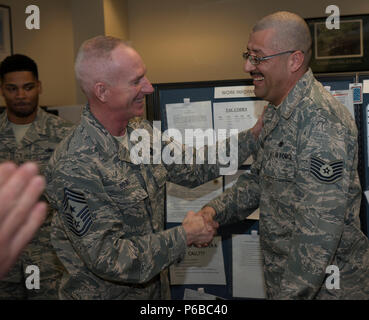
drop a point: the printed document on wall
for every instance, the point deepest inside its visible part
(181, 199)
(346, 98)
(248, 276)
(241, 115)
(189, 115)
(366, 86)
(200, 266)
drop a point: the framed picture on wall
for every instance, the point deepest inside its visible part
(340, 50)
(6, 40)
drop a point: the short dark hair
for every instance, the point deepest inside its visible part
(18, 62)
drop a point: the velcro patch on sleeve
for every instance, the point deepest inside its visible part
(326, 172)
(76, 211)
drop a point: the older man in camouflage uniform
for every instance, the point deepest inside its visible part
(109, 232)
(304, 178)
(28, 133)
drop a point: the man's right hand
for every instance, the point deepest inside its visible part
(199, 231)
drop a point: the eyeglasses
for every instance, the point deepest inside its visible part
(254, 60)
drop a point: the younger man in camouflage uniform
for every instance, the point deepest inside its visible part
(28, 133)
(304, 178)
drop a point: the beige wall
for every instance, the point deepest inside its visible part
(179, 40)
(51, 47)
(194, 40)
(87, 21)
(116, 18)
(65, 24)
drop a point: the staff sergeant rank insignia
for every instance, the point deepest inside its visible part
(326, 172)
(77, 213)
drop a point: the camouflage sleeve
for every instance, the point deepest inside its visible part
(325, 183)
(196, 167)
(105, 238)
(239, 201)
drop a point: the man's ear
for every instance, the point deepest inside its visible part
(39, 84)
(101, 91)
(296, 60)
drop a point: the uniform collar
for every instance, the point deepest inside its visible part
(101, 137)
(298, 92)
(37, 128)
(273, 114)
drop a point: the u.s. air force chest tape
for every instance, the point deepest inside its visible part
(76, 212)
(326, 172)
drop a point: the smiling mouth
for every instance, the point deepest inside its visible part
(257, 76)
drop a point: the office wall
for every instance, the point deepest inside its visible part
(87, 22)
(194, 40)
(179, 40)
(116, 18)
(65, 24)
(51, 47)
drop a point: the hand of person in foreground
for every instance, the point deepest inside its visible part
(21, 212)
(199, 231)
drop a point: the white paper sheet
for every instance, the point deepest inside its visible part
(180, 199)
(241, 115)
(200, 266)
(366, 193)
(248, 278)
(346, 98)
(366, 86)
(189, 115)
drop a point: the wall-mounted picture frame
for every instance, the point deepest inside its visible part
(340, 50)
(6, 38)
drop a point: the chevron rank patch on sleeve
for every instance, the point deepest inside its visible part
(76, 211)
(326, 172)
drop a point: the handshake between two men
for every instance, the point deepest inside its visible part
(200, 227)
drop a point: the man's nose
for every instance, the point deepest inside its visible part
(248, 66)
(147, 87)
(20, 93)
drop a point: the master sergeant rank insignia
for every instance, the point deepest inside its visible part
(77, 213)
(326, 172)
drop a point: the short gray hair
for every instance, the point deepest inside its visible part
(94, 61)
(292, 32)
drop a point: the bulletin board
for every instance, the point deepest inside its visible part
(215, 93)
(172, 93)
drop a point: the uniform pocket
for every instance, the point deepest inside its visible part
(126, 193)
(280, 166)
